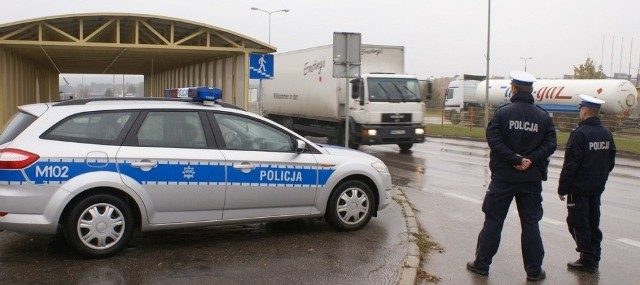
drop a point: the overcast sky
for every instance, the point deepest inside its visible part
(441, 38)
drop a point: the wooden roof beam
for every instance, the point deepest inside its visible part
(61, 32)
(98, 30)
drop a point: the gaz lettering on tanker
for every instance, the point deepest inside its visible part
(545, 93)
(554, 92)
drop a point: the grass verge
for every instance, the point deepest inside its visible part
(625, 144)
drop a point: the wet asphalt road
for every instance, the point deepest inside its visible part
(295, 252)
(446, 179)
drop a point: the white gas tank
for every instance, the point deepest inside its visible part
(561, 95)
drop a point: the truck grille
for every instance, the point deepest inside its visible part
(396, 117)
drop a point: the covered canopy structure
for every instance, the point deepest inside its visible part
(168, 52)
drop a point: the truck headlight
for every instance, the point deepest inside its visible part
(380, 167)
(370, 132)
(419, 131)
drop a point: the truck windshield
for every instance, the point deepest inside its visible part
(393, 90)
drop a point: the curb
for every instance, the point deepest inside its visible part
(409, 270)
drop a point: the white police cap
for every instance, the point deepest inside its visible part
(522, 78)
(590, 101)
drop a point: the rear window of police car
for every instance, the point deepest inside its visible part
(18, 123)
(91, 127)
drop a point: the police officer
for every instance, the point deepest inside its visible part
(589, 157)
(521, 137)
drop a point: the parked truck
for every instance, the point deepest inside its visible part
(385, 105)
(560, 97)
(460, 99)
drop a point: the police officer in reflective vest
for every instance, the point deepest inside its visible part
(589, 157)
(521, 137)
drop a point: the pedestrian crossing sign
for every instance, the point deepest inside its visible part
(260, 66)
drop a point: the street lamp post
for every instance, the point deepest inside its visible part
(525, 62)
(269, 12)
(486, 89)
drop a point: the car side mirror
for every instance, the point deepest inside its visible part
(301, 146)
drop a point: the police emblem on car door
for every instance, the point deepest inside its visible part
(169, 159)
(265, 174)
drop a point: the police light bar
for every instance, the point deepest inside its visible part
(198, 94)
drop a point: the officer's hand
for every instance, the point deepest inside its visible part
(561, 197)
(524, 165)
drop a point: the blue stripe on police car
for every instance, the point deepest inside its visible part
(171, 172)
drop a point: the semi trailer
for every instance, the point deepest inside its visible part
(385, 105)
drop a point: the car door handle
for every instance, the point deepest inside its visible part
(144, 165)
(245, 167)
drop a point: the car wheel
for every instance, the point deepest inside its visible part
(99, 226)
(350, 206)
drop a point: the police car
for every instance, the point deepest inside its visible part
(100, 169)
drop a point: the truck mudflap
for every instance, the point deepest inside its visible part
(381, 134)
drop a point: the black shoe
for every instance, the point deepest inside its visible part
(580, 266)
(472, 267)
(540, 276)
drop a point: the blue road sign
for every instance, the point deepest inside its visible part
(260, 66)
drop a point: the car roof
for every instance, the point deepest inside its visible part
(142, 100)
(124, 103)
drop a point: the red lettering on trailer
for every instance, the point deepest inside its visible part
(551, 93)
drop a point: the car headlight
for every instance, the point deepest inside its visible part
(380, 167)
(419, 131)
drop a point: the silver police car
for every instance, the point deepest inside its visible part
(100, 169)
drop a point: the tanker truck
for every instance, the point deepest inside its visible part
(460, 102)
(560, 97)
(385, 105)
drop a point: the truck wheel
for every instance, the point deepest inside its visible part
(454, 117)
(478, 119)
(340, 138)
(287, 122)
(352, 145)
(350, 206)
(99, 226)
(405, 146)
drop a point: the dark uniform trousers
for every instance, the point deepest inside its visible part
(583, 220)
(528, 196)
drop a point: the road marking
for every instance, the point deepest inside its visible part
(629, 242)
(463, 198)
(553, 222)
(546, 220)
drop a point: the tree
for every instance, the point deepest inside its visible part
(588, 71)
(108, 93)
(132, 89)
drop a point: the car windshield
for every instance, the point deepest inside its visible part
(15, 126)
(393, 90)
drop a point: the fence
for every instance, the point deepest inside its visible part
(474, 118)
